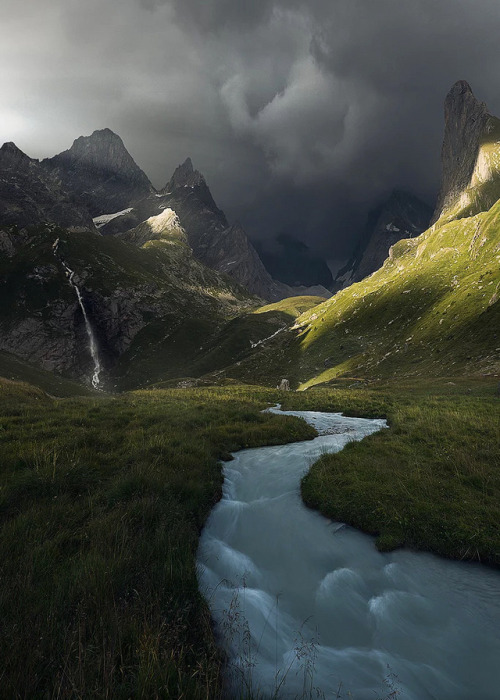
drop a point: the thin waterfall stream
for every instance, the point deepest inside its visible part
(94, 350)
(305, 607)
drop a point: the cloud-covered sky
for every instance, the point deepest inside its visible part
(302, 114)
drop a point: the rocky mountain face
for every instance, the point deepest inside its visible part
(148, 309)
(100, 172)
(291, 261)
(219, 245)
(465, 121)
(222, 247)
(30, 195)
(97, 184)
(402, 216)
(470, 157)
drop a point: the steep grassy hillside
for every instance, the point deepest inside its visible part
(292, 307)
(432, 309)
(244, 348)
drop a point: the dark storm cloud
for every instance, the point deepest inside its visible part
(302, 114)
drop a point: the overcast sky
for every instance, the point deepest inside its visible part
(301, 114)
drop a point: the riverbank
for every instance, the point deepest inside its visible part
(431, 482)
(102, 503)
(103, 499)
(351, 613)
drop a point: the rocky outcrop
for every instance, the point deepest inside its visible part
(402, 216)
(284, 385)
(214, 241)
(29, 195)
(164, 226)
(125, 292)
(467, 122)
(100, 172)
(229, 251)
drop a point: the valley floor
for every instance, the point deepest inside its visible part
(103, 499)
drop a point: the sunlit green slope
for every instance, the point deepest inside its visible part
(432, 309)
(483, 189)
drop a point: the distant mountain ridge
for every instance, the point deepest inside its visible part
(433, 308)
(96, 182)
(402, 216)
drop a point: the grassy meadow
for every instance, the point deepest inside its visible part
(431, 482)
(101, 504)
(103, 498)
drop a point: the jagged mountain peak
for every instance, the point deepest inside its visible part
(461, 87)
(102, 149)
(185, 176)
(105, 140)
(11, 157)
(461, 107)
(461, 91)
(466, 121)
(30, 194)
(100, 172)
(10, 146)
(105, 132)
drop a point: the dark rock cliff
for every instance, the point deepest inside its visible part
(465, 122)
(29, 195)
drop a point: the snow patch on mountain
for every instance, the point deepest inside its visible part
(106, 218)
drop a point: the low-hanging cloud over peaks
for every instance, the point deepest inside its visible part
(301, 114)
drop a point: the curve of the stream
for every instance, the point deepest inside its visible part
(306, 607)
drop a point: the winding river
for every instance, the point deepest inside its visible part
(305, 607)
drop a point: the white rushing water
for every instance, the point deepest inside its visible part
(94, 350)
(308, 606)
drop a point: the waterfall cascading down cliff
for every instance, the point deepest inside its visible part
(94, 351)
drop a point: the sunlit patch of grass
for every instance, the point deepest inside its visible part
(292, 306)
(430, 482)
(431, 310)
